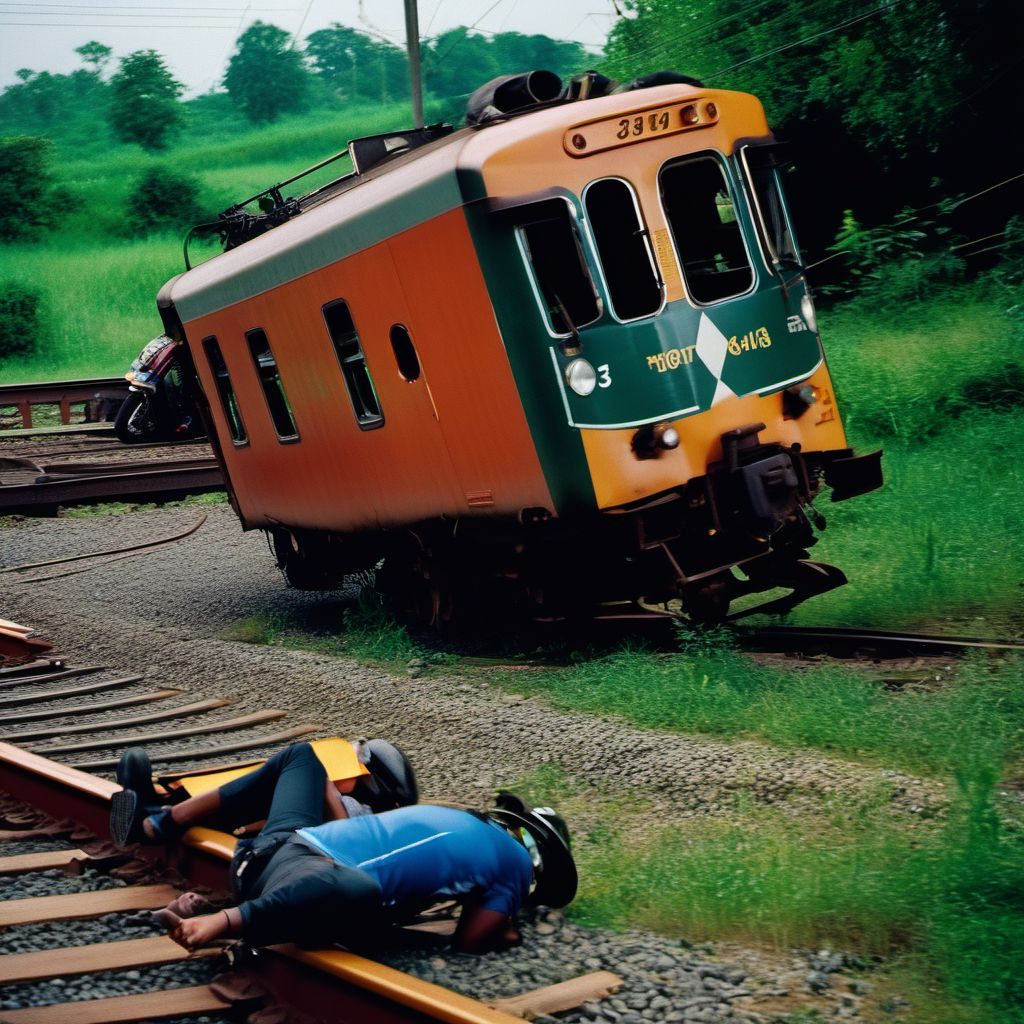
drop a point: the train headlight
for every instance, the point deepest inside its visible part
(808, 313)
(581, 377)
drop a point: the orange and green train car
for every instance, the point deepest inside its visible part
(564, 356)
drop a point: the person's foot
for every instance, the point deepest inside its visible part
(127, 813)
(190, 904)
(135, 772)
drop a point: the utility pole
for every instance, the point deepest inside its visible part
(412, 42)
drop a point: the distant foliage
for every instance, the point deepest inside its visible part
(164, 200)
(25, 187)
(266, 77)
(457, 62)
(909, 258)
(19, 320)
(144, 104)
(355, 66)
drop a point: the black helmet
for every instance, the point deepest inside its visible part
(391, 782)
(545, 835)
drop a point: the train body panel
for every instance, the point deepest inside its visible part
(426, 459)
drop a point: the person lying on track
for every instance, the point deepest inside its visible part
(316, 877)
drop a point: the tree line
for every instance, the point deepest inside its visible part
(268, 77)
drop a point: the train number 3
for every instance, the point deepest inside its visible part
(604, 379)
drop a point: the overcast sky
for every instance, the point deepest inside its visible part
(196, 38)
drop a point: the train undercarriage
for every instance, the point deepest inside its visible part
(743, 529)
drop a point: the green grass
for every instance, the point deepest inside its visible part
(362, 630)
(978, 715)
(942, 902)
(98, 304)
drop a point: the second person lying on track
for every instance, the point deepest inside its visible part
(315, 876)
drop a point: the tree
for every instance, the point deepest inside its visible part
(163, 200)
(95, 56)
(266, 77)
(25, 184)
(355, 66)
(144, 104)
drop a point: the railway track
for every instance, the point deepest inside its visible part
(50, 713)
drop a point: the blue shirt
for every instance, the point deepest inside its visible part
(414, 853)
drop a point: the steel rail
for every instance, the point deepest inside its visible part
(152, 482)
(333, 986)
(109, 551)
(771, 637)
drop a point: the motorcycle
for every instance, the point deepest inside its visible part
(157, 407)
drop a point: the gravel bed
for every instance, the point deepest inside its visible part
(665, 981)
(55, 883)
(18, 847)
(166, 612)
(111, 983)
(31, 938)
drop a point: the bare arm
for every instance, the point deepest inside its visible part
(333, 807)
(480, 930)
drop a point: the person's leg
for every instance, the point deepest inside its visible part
(287, 790)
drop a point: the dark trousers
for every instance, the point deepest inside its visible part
(300, 895)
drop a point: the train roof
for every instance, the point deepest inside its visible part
(361, 210)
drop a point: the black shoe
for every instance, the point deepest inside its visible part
(127, 812)
(135, 772)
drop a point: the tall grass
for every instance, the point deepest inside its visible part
(979, 715)
(98, 304)
(941, 902)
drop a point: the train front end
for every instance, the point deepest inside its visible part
(649, 290)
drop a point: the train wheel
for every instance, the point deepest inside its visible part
(305, 567)
(416, 585)
(707, 604)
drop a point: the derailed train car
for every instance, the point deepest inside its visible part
(563, 356)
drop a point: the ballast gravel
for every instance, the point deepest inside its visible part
(162, 614)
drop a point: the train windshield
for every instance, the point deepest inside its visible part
(634, 286)
(763, 165)
(702, 216)
(551, 245)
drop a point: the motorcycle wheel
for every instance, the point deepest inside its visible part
(135, 422)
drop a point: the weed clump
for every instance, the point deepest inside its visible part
(164, 200)
(20, 320)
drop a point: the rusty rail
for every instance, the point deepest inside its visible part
(333, 986)
(139, 481)
(64, 394)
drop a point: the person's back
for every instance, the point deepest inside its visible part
(415, 853)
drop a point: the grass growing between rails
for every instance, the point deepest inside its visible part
(830, 708)
(366, 633)
(941, 902)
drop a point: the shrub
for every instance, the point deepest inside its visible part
(163, 200)
(24, 186)
(19, 320)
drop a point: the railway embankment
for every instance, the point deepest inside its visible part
(641, 800)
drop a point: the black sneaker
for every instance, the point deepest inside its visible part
(135, 772)
(127, 812)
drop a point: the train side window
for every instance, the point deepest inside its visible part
(273, 387)
(353, 365)
(405, 353)
(701, 214)
(551, 245)
(228, 401)
(634, 285)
